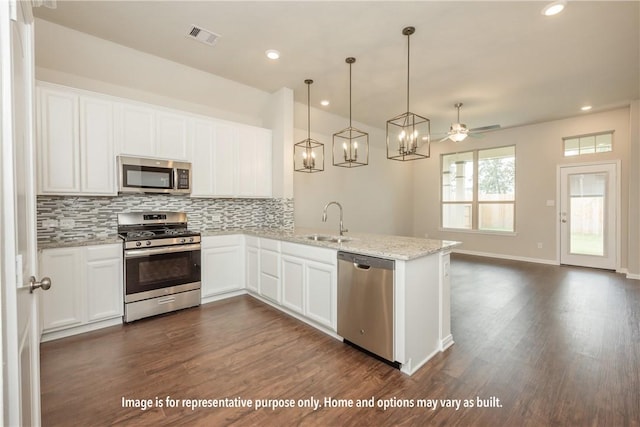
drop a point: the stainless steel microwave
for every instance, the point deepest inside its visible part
(144, 175)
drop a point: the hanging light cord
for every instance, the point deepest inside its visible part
(308, 113)
(350, 95)
(408, 55)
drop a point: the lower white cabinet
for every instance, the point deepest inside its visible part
(86, 286)
(222, 264)
(252, 263)
(309, 282)
(269, 285)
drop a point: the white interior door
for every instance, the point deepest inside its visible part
(588, 202)
(20, 325)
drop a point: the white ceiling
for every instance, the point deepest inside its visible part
(506, 62)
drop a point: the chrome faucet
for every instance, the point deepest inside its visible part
(324, 216)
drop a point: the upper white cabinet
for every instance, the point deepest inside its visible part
(75, 143)
(152, 132)
(231, 160)
(80, 133)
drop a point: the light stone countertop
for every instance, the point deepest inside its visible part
(378, 245)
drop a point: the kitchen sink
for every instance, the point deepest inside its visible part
(326, 238)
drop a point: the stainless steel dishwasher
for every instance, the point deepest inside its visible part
(365, 302)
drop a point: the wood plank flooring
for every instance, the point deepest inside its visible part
(556, 346)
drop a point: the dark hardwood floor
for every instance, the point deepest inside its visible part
(555, 345)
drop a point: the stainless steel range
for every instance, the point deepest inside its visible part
(161, 263)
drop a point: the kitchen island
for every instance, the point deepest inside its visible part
(296, 272)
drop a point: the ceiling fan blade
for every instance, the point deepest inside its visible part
(485, 128)
(476, 135)
(444, 139)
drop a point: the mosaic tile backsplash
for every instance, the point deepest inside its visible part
(82, 218)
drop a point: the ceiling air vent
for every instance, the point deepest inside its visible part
(202, 35)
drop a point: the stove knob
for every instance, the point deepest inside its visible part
(183, 240)
(148, 243)
(190, 239)
(138, 243)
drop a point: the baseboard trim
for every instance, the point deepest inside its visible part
(218, 297)
(633, 276)
(446, 342)
(89, 327)
(509, 257)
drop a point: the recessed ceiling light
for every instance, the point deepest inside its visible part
(272, 54)
(324, 102)
(554, 8)
(586, 108)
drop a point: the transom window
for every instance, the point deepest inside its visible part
(588, 144)
(478, 190)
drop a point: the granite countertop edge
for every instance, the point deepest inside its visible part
(384, 246)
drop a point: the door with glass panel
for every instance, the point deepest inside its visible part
(588, 200)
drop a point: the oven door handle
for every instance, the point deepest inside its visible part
(137, 253)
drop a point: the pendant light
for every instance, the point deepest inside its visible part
(350, 146)
(308, 155)
(408, 132)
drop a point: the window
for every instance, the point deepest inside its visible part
(478, 190)
(588, 144)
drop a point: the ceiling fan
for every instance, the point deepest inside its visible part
(459, 131)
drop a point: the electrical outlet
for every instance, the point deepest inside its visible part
(67, 223)
(539, 245)
(216, 218)
(50, 223)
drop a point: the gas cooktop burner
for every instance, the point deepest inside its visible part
(155, 229)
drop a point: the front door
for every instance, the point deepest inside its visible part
(588, 200)
(20, 324)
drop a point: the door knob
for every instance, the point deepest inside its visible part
(563, 220)
(45, 284)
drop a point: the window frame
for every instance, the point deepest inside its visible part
(586, 135)
(475, 202)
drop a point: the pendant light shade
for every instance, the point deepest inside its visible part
(350, 145)
(308, 155)
(408, 132)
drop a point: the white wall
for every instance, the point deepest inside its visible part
(376, 198)
(76, 59)
(539, 151)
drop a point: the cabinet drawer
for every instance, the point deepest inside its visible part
(269, 263)
(324, 255)
(272, 245)
(97, 253)
(221, 241)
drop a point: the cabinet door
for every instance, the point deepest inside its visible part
(293, 283)
(104, 274)
(58, 144)
(270, 275)
(202, 159)
(263, 163)
(253, 269)
(225, 160)
(254, 167)
(321, 293)
(97, 154)
(62, 305)
(246, 161)
(172, 136)
(221, 270)
(136, 130)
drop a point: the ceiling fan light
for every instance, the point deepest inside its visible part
(458, 137)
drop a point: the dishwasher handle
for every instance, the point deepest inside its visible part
(365, 262)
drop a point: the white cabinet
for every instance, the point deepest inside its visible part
(231, 160)
(104, 275)
(147, 131)
(75, 143)
(86, 287)
(309, 282)
(62, 304)
(222, 265)
(252, 263)
(270, 270)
